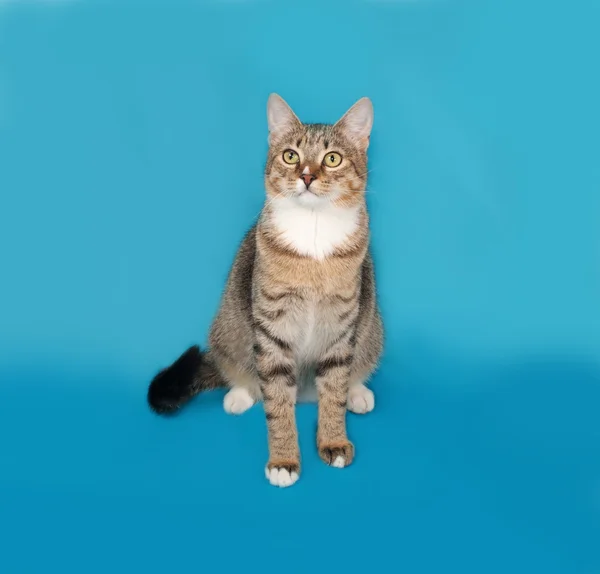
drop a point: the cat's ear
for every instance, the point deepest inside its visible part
(357, 122)
(280, 117)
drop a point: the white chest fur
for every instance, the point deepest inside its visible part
(313, 229)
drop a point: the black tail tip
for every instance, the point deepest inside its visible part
(174, 386)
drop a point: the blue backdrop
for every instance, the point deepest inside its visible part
(132, 142)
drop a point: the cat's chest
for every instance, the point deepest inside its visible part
(312, 326)
(314, 233)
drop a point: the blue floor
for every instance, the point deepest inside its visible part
(132, 142)
(448, 477)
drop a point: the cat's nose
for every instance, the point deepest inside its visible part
(307, 178)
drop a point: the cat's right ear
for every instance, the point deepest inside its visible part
(280, 117)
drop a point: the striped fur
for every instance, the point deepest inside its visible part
(299, 315)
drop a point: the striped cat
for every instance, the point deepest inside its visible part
(298, 318)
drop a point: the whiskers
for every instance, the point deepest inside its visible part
(329, 192)
(360, 176)
(267, 203)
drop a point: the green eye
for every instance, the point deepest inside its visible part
(290, 156)
(332, 159)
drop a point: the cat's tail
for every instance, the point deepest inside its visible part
(189, 375)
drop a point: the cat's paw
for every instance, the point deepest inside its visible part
(361, 400)
(237, 401)
(282, 473)
(339, 454)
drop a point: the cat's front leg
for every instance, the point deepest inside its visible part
(277, 373)
(332, 380)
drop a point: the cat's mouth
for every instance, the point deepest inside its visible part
(309, 198)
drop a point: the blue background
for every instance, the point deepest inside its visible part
(132, 143)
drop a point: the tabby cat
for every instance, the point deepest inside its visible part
(298, 317)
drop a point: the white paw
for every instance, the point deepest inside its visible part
(339, 462)
(281, 476)
(237, 401)
(361, 400)
(337, 455)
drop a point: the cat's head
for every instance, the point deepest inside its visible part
(318, 164)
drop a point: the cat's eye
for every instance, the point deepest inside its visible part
(290, 156)
(332, 159)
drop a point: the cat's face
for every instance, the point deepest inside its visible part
(317, 164)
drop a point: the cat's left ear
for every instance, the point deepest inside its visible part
(357, 122)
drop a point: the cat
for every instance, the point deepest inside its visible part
(299, 315)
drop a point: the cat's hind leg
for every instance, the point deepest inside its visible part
(244, 391)
(238, 400)
(361, 399)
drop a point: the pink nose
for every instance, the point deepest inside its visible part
(308, 178)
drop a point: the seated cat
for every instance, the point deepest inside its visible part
(298, 317)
